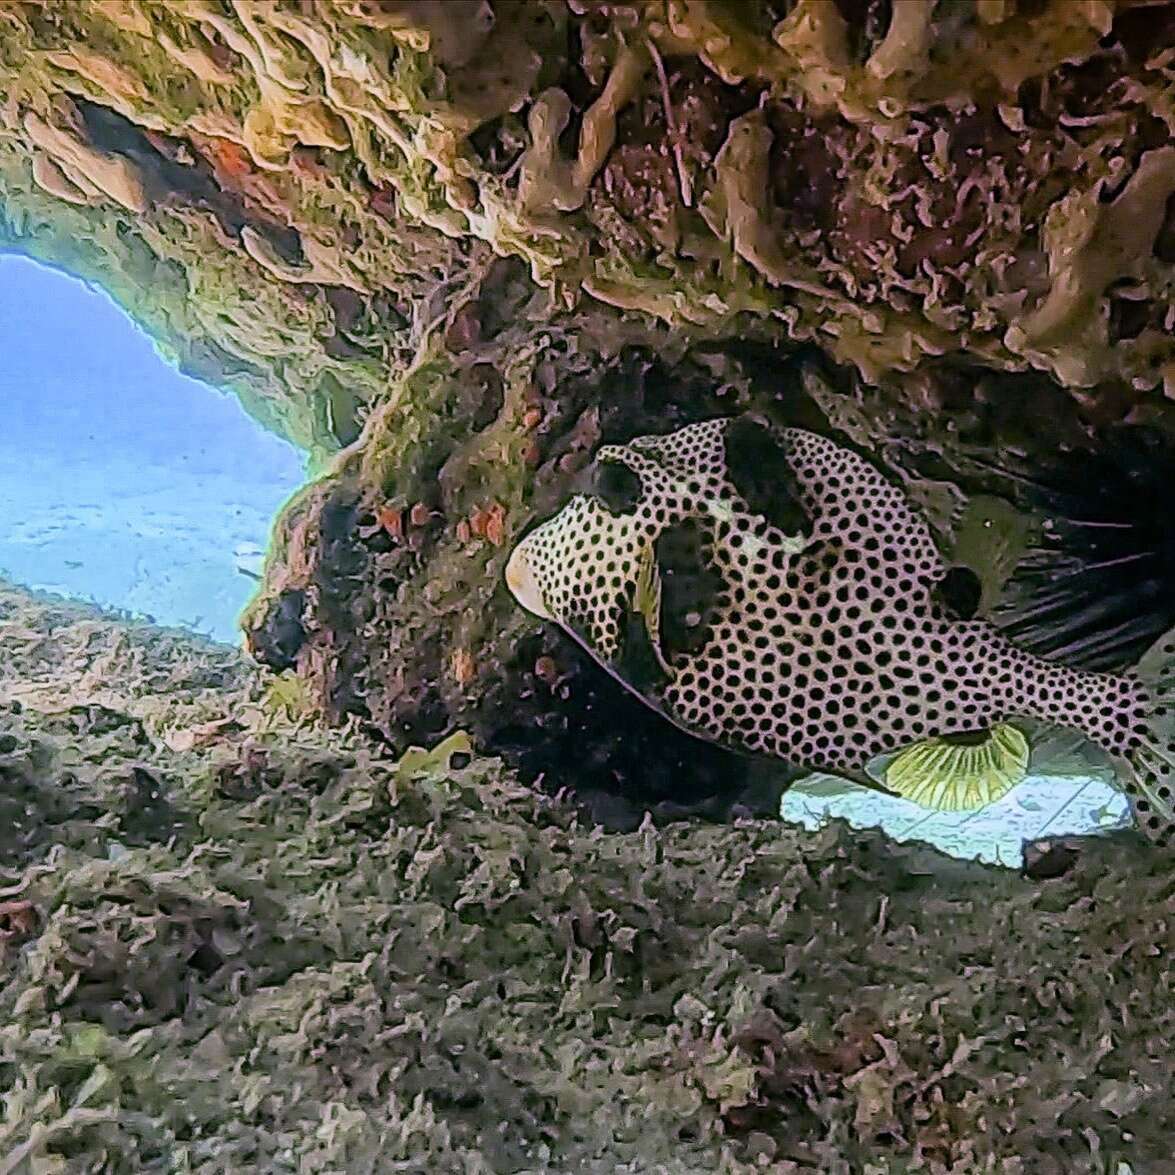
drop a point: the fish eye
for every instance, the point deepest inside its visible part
(617, 486)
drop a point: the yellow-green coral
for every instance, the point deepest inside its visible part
(286, 697)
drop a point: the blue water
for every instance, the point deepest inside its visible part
(121, 481)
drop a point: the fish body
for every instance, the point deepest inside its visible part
(773, 592)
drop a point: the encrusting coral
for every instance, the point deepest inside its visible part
(897, 172)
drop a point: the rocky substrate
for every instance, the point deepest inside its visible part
(231, 939)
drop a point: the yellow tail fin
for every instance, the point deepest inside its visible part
(948, 776)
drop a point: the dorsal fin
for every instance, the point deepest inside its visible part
(958, 593)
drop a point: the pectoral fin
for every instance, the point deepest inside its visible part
(646, 602)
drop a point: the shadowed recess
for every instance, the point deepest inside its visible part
(1097, 588)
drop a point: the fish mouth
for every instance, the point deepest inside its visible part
(523, 584)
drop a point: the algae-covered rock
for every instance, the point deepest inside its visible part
(233, 938)
(448, 247)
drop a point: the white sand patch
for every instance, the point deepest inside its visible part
(164, 542)
(123, 482)
(1040, 806)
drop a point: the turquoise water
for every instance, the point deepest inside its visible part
(125, 483)
(121, 481)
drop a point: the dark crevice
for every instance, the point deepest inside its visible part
(279, 637)
(168, 181)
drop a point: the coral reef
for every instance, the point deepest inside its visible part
(446, 246)
(232, 938)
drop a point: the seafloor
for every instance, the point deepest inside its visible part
(234, 941)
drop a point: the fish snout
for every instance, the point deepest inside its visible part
(524, 584)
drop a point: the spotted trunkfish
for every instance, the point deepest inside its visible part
(771, 591)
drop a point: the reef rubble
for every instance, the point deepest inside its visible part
(235, 938)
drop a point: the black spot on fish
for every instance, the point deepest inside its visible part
(689, 587)
(959, 592)
(758, 466)
(617, 486)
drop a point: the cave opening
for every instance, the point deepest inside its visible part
(122, 481)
